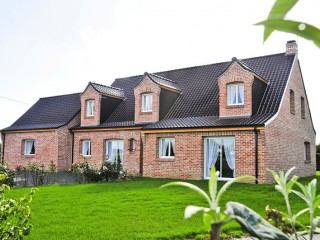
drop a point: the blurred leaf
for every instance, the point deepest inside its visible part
(253, 223)
(278, 11)
(191, 210)
(303, 30)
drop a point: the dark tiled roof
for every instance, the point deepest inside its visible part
(50, 112)
(163, 81)
(196, 106)
(200, 94)
(107, 90)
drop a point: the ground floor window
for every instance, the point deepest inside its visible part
(86, 148)
(29, 147)
(219, 152)
(166, 147)
(114, 151)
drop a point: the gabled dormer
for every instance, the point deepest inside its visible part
(240, 90)
(154, 96)
(98, 102)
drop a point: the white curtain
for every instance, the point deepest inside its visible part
(228, 144)
(115, 150)
(28, 147)
(241, 94)
(212, 153)
(147, 102)
(232, 94)
(86, 148)
(172, 146)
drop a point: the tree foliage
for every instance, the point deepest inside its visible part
(276, 21)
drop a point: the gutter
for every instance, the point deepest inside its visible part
(256, 133)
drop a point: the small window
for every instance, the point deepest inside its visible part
(146, 102)
(167, 147)
(307, 156)
(86, 148)
(292, 105)
(236, 94)
(29, 147)
(114, 151)
(90, 108)
(303, 110)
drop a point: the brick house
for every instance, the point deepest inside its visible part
(243, 116)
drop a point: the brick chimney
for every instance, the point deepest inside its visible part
(291, 47)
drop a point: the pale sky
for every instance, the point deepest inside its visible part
(55, 47)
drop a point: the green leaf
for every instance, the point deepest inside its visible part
(253, 223)
(190, 186)
(191, 210)
(303, 197)
(278, 11)
(303, 30)
(213, 182)
(207, 220)
(228, 184)
(300, 213)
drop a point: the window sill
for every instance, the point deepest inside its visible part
(89, 117)
(146, 113)
(29, 155)
(165, 159)
(234, 106)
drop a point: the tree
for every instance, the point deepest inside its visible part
(318, 148)
(276, 21)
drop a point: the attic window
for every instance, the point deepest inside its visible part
(307, 155)
(303, 110)
(236, 94)
(90, 108)
(146, 102)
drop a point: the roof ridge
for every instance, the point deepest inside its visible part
(167, 79)
(107, 86)
(61, 95)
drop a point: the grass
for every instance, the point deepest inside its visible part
(134, 209)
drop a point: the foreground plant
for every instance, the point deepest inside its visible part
(14, 215)
(213, 217)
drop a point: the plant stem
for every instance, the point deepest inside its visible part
(290, 216)
(215, 231)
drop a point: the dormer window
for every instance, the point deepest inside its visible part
(235, 94)
(90, 108)
(146, 102)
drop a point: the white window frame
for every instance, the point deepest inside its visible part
(171, 141)
(117, 141)
(90, 108)
(83, 145)
(144, 99)
(26, 147)
(237, 89)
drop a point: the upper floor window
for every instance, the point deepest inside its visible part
(292, 105)
(90, 108)
(86, 148)
(146, 102)
(166, 147)
(236, 94)
(303, 110)
(29, 147)
(307, 155)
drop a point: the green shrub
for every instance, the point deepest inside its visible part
(318, 161)
(111, 170)
(14, 215)
(9, 180)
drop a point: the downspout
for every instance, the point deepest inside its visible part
(2, 150)
(141, 156)
(72, 146)
(256, 133)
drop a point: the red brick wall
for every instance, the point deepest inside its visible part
(46, 148)
(235, 74)
(188, 162)
(65, 145)
(98, 139)
(287, 133)
(147, 86)
(90, 94)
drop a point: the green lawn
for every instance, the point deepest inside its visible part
(133, 209)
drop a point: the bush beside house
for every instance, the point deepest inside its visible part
(318, 157)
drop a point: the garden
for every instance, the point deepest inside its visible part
(137, 208)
